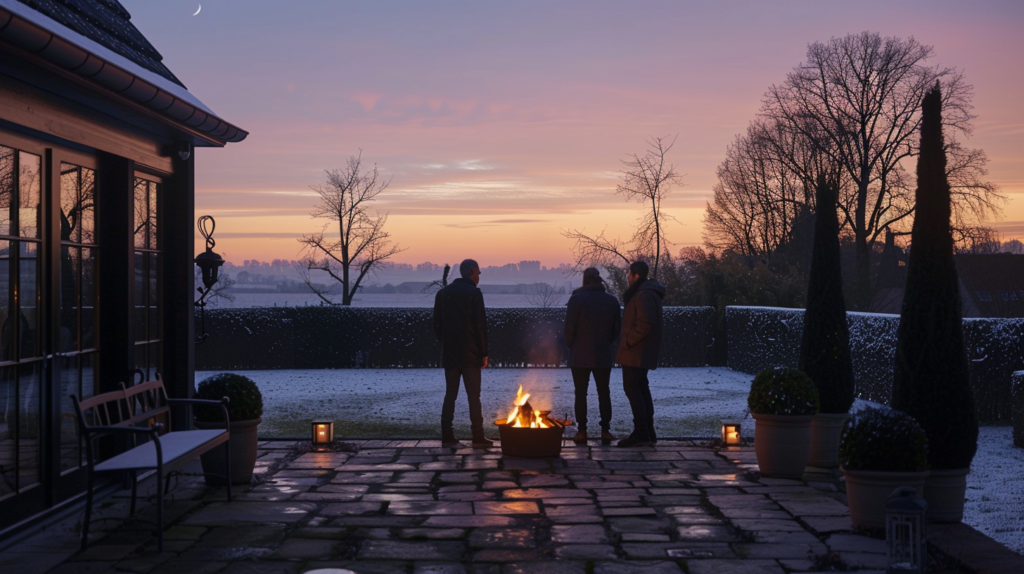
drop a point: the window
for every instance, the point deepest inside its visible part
(77, 339)
(20, 360)
(1008, 295)
(146, 329)
(983, 295)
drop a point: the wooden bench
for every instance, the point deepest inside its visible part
(139, 417)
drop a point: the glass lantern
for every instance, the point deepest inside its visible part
(904, 530)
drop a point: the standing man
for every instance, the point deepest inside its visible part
(461, 326)
(592, 323)
(638, 349)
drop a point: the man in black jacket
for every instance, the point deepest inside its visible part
(592, 323)
(639, 347)
(461, 326)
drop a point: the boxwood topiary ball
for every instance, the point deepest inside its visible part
(883, 439)
(779, 391)
(246, 401)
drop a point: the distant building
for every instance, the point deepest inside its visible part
(991, 285)
(528, 266)
(96, 197)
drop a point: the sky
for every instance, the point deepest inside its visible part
(504, 124)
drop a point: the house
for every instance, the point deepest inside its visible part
(991, 285)
(96, 231)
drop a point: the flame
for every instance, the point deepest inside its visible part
(523, 415)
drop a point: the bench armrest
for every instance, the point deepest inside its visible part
(223, 401)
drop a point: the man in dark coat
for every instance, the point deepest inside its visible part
(639, 346)
(592, 324)
(461, 326)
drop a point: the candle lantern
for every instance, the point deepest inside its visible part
(731, 433)
(323, 433)
(904, 530)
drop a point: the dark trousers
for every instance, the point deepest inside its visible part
(638, 391)
(471, 377)
(580, 380)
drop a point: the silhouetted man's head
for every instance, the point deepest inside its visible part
(470, 269)
(591, 276)
(637, 270)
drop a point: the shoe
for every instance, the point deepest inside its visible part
(448, 438)
(580, 438)
(607, 437)
(480, 441)
(633, 440)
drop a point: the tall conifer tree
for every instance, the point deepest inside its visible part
(825, 347)
(932, 376)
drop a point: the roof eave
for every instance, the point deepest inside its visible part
(109, 72)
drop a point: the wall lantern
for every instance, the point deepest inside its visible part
(323, 434)
(209, 263)
(731, 433)
(904, 530)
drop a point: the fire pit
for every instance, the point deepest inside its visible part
(530, 433)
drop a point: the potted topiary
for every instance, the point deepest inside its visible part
(881, 449)
(825, 346)
(783, 402)
(932, 376)
(245, 411)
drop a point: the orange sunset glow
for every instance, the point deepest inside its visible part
(503, 124)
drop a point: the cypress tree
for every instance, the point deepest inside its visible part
(825, 347)
(932, 377)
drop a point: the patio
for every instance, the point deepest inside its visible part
(412, 506)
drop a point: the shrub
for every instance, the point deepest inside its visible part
(825, 346)
(932, 377)
(246, 401)
(780, 391)
(883, 439)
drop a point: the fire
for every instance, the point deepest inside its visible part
(523, 415)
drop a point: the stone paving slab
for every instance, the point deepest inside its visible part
(413, 506)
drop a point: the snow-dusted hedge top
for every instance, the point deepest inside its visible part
(760, 337)
(339, 337)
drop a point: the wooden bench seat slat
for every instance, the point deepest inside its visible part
(180, 445)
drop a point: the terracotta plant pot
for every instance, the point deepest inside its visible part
(867, 491)
(945, 491)
(782, 444)
(825, 431)
(243, 453)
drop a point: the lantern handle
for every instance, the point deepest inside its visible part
(204, 222)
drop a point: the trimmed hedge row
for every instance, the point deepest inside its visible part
(761, 337)
(339, 337)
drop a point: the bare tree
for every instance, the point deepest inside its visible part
(852, 112)
(361, 244)
(647, 179)
(544, 295)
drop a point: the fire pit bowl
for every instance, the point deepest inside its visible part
(531, 442)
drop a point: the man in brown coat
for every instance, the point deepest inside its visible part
(639, 346)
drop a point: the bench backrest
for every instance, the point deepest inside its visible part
(148, 404)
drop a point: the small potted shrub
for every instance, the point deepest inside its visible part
(783, 402)
(881, 449)
(245, 411)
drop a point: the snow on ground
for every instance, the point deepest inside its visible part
(406, 403)
(995, 488)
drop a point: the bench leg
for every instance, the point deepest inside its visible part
(88, 509)
(135, 489)
(227, 465)
(160, 509)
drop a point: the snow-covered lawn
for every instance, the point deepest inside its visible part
(406, 403)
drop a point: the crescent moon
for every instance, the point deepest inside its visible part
(200, 8)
